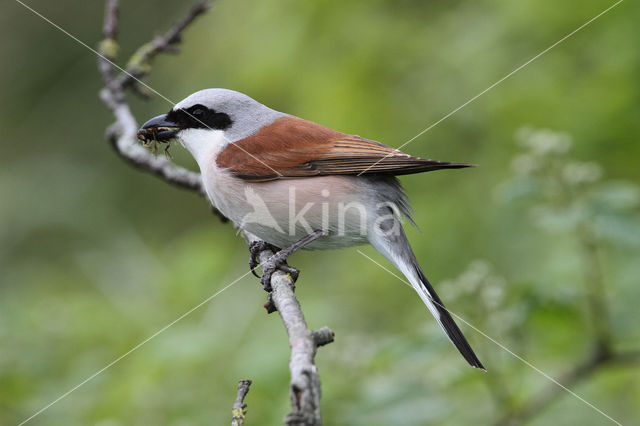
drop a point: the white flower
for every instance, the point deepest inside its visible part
(578, 172)
(544, 141)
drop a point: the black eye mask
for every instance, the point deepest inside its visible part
(199, 117)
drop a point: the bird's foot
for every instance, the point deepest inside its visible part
(277, 262)
(279, 259)
(255, 248)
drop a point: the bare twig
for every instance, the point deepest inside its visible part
(536, 404)
(238, 412)
(626, 358)
(139, 64)
(122, 134)
(305, 381)
(594, 287)
(109, 46)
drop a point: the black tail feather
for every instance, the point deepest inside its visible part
(448, 324)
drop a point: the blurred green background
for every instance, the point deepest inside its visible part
(95, 256)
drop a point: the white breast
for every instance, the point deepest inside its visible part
(224, 191)
(203, 143)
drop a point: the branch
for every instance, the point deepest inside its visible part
(626, 358)
(238, 410)
(587, 368)
(304, 389)
(122, 134)
(305, 382)
(139, 64)
(602, 353)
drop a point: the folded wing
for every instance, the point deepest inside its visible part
(292, 147)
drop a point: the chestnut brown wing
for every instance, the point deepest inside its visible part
(292, 147)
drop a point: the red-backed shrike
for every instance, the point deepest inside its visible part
(282, 178)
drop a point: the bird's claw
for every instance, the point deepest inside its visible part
(255, 248)
(279, 258)
(277, 262)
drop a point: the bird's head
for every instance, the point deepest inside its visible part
(208, 119)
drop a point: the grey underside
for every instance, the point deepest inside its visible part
(385, 203)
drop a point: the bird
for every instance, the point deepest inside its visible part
(288, 180)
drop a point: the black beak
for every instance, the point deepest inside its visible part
(158, 129)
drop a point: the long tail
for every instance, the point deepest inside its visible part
(397, 250)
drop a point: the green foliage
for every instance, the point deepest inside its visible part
(570, 195)
(95, 257)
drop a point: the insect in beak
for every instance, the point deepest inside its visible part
(156, 131)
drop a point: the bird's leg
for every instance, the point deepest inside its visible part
(279, 260)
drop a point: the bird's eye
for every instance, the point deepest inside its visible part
(200, 117)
